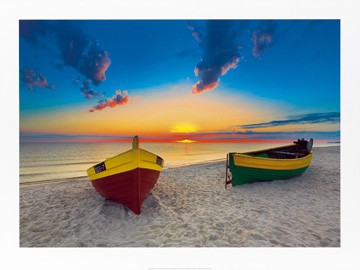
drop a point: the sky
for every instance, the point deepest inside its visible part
(165, 80)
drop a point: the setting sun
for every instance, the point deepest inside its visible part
(186, 141)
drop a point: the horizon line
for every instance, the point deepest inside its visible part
(199, 137)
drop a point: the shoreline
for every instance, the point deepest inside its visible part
(189, 207)
(53, 181)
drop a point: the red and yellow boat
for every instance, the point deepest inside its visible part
(127, 178)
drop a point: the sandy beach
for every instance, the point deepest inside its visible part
(189, 207)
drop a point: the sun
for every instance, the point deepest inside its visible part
(186, 141)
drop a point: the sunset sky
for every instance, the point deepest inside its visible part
(179, 79)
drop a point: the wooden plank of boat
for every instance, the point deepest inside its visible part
(262, 165)
(127, 178)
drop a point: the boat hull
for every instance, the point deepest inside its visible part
(242, 175)
(128, 177)
(128, 188)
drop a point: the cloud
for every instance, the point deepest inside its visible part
(119, 99)
(221, 53)
(311, 118)
(76, 48)
(34, 79)
(263, 37)
(196, 33)
(86, 89)
(94, 64)
(32, 30)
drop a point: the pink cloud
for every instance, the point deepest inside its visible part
(119, 99)
(262, 41)
(230, 65)
(210, 77)
(220, 53)
(94, 64)
(198, 87)
(33, 79)
(195, 33)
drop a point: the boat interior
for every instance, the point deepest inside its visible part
(299, 149)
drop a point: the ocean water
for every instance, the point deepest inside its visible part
(65, 161)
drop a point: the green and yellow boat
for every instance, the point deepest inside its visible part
(269, 164)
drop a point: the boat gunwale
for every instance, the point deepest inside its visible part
(246, 154)
(267, 158)
(130, 150)
(136, 165)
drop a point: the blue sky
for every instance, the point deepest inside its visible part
(266, 76)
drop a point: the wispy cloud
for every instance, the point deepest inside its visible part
(221, 53)
(34, 79)
(86, 90)
(196, 32)
(119, 99)
(262, 37)
(311, 118)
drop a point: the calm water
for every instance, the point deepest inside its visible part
(62, 161)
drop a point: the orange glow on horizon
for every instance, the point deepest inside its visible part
(186, 141)
(166, 140)
(150, 116)
(184, 128)
(170, 114)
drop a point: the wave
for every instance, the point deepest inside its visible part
(59, 164)
(52, 181)
(47, 173)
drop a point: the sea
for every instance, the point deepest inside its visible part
(60, 161)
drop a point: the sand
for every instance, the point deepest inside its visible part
(189, 207)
